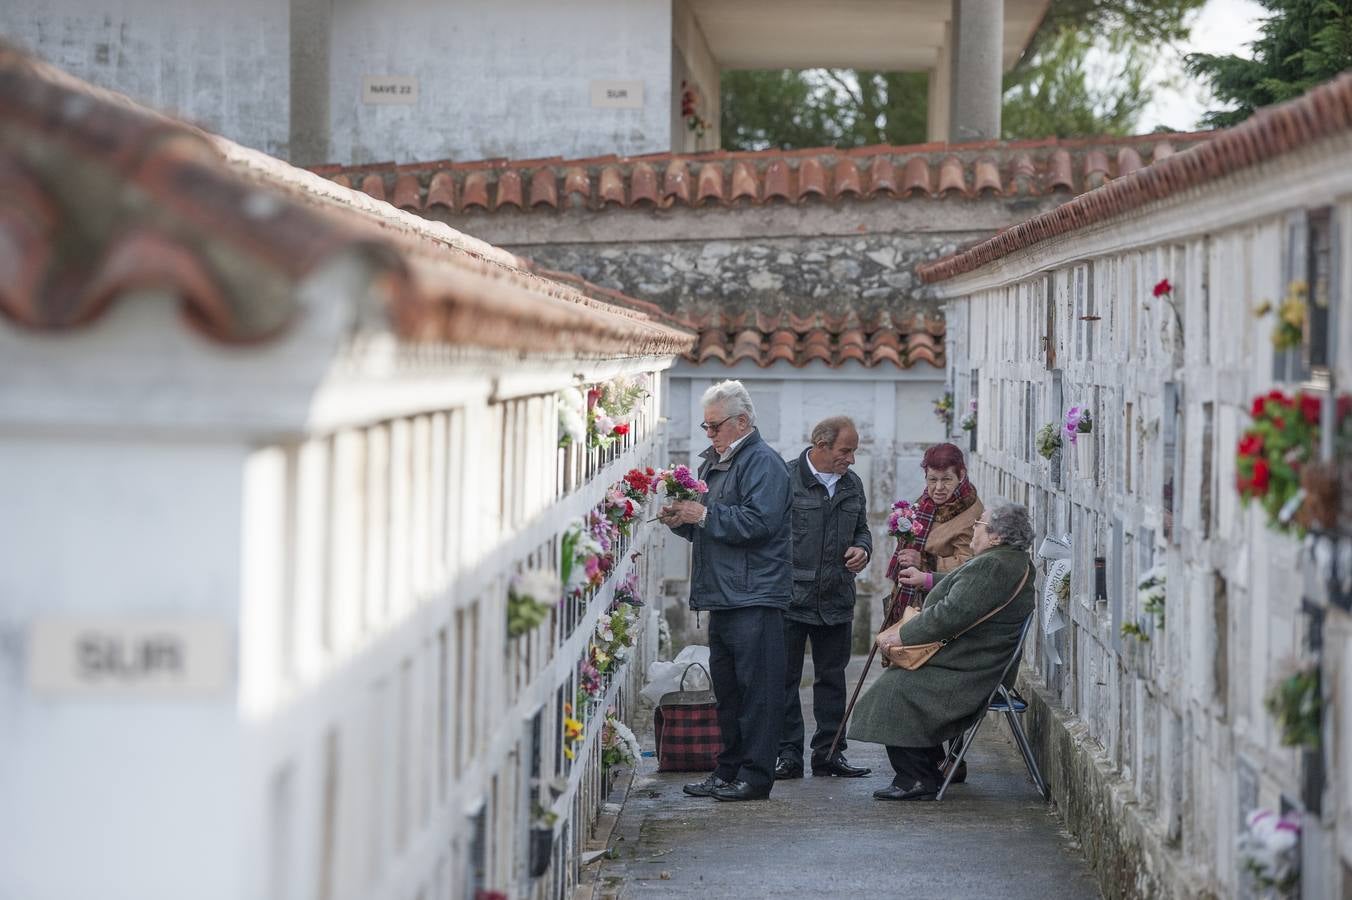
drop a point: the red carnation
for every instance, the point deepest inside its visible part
(1310, 408)
(1279, 397)
(621, 429)
(1259, 405)
(1163, 287)
(1251, 444)
(1344, 406)
(1261, 474)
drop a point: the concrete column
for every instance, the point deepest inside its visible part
(940, 90)
(311, 34)
(977, 53)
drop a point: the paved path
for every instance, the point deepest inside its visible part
(827, 837)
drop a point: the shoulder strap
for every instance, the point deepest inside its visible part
(1017, 591)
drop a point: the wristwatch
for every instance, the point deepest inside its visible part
(703, 517)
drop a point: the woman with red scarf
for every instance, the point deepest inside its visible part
(948, 509)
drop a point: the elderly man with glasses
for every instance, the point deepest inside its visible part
(742, 576)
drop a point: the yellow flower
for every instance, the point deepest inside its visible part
(1262, 309)
(568, 752)
(1293, 311)
(572, 729)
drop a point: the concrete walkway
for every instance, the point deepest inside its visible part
(827, 837)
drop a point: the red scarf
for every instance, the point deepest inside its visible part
(927, 511)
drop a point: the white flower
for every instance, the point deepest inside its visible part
(603, 629)
(572, 415)
(540, 585)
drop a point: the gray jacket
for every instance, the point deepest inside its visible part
(742, 555)
(823, 529)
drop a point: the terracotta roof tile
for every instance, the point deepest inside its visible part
(544, 188)
(845, 180)
(509, 190)
(767, 337)
(407, 194)
(441, 190)
(235, 234)
(788, 177)
(1271, 132)
(950, 177)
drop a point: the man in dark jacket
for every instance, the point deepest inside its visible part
(742, 577)
(831, 544)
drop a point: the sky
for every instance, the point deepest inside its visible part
(1222, 26)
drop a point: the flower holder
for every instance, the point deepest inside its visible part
(541, 850)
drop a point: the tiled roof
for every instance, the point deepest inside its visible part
(100, 197)
(1271, 132)
(660, 181)
(774, 337)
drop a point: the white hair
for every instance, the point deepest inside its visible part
(733, 398)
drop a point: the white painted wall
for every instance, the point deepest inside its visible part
(1180, 720)
(224, 66)
(500, 78)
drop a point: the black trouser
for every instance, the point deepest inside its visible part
(746, 664)
(914, 764)
(830, 655)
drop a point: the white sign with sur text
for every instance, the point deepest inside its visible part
(142, 657)
(617, 94)
(389, 89)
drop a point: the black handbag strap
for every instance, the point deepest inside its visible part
(687, 672)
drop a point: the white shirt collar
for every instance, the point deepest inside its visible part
(828, 479)
(732, 448)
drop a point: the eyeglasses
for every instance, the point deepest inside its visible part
(982, 523)
(712, 427)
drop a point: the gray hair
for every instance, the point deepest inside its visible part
(733, 398)
(1011, 525)
(827, 430)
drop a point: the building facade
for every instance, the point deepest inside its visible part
(1145, 303)
(288, 520)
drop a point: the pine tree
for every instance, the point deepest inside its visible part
(1303, 43)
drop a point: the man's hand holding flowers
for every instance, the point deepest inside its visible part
(681, 512)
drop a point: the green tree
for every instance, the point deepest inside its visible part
(1057, 95)
(1303, 43)
(1051, 92)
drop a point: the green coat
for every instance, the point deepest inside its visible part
(939, 700)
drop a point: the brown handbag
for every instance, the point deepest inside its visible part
(913, 656)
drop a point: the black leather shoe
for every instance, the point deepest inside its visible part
(740, 790)
(787, 768)
(917, 791)
(706, 787)
(838, 767)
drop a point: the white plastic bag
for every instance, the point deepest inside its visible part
(665, 677)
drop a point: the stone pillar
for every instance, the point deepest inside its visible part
(977, 56)
(941, 90)
(311, 33)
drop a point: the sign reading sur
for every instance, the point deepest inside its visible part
(617, 94)
(151, 657)
(389, 90)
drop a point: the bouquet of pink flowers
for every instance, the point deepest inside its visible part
(681, 484)
(905, 525)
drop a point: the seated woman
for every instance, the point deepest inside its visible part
(948, 507)
(914, 711)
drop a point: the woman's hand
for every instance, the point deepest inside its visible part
(909, 557)
(911, 577)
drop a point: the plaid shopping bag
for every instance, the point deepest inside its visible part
(686, 726)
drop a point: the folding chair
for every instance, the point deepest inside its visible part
(999, 701)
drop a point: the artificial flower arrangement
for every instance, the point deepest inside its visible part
(619, 745)
(639, 484)
(627, 590)
(1078, 421)
(1151, 592)
(530, 597)
(904, 524)
(968, 422)
(1284, 436)
(615, 635)
(681, 484)
(1269, 851)
(1295, 703)
(1048, 440)
(589, 681)
(620, 511)
(582, 557)
(572, 731)
(572, 406)
(943, 410)
(1289, 331)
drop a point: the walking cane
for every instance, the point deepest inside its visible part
(835, 742)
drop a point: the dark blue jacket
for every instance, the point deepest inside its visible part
(824, 527)
(743, 556)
